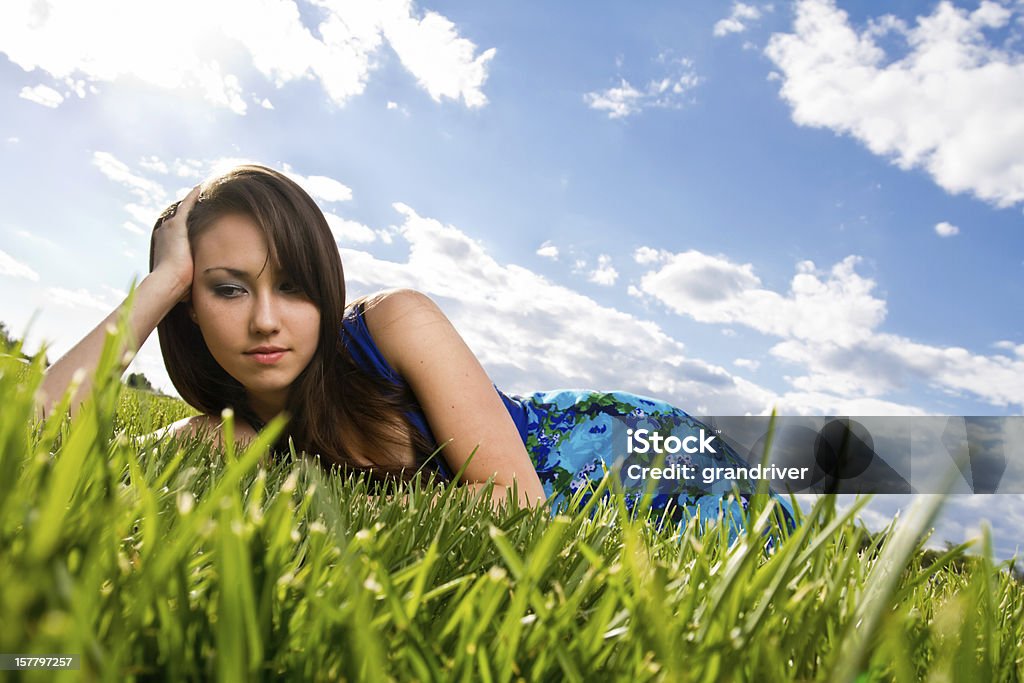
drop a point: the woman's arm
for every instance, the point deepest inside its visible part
(457, 396)
(156, 295)
(210, 428)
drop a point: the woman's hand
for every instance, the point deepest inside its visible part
(159, 292)
(171, 251)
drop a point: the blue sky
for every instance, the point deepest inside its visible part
(813, 206)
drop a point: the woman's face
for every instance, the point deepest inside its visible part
(240, 310)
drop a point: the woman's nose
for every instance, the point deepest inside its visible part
(265, 316)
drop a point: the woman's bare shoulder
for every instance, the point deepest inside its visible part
(380, 310)
(401, 320)
(389, 301)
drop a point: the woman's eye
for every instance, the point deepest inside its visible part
(228, 291)
(289, 287)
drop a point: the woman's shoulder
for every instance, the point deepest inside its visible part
(388, 301)
(381, 310)
(391, 316)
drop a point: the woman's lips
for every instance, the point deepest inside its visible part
(267, 358)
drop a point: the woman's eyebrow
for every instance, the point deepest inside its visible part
(232, 271)
(239, 273)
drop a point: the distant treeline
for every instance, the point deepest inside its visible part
(135, 380)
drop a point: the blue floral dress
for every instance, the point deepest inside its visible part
(573, 435)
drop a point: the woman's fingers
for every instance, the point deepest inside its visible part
(189, 201)
(171, 247)
(181, 209)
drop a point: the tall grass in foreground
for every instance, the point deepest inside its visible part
(171, 560)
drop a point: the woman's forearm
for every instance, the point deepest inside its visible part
(155, 296)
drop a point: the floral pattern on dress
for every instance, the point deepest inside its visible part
(572, 436)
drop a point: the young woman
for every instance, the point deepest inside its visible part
(247, 291)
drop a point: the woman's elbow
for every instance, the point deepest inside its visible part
(530, 494)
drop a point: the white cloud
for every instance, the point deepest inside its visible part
(996, 378)
(395, 106)
(37, 238)
(184, 47)
(190, 168)
(153, 196)
(146, 215)
(836, 305)
(952, 105)
(669, 91)
(828, 323)
(13, 140)
(11, 267)
(146, 190)
(42, 94)
(746, 363)
(154, 164)
(321, 187)
(619, 102)
(77, 298)
(604, 274)
(735, 22)
(149, 184)
(1010, 346)
(118, 294)
(532, 334)
(346, 231)
(132, 228)
(444, 64)
(220, 89)
(828, 402)
(645, 255)
(885, 363)
(945, 229)
(548, 250)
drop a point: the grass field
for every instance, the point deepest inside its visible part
(172, 561)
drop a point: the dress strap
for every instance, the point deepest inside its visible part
(359, 342)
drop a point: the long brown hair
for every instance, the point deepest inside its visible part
(332, 395)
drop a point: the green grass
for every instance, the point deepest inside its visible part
(174, 561)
